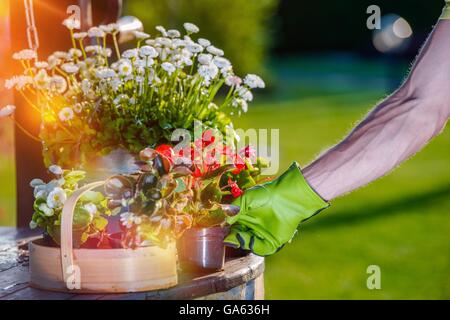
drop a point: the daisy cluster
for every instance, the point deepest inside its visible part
(164, 82)
(90, 213)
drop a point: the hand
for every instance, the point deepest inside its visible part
(270, 213)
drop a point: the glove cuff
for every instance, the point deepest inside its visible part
(310, 201)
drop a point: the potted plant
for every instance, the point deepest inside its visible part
(102, 106)
(129, 225)
(93, 99)
(215, 175)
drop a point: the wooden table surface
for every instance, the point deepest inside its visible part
(238, 273)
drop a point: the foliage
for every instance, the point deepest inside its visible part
(240, 27)
(90, 212)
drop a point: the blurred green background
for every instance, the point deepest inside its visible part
(323, 75)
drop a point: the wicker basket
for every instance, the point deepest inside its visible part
(99, 270)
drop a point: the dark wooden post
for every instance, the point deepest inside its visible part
(53, 36)
(49, 15)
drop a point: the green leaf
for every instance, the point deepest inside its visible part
(81, 218)
(93, 197)
(84, 237)
(218, 172)
(213, 218)
(73, 177)
(211, 195)
(100, 223)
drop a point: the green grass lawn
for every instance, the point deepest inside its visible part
(400, 223)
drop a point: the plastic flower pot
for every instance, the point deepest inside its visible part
(202, 249)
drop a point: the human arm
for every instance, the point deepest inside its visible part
(394, 130)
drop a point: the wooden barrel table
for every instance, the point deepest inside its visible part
(241, 279)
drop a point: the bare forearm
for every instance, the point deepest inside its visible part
(396, 129)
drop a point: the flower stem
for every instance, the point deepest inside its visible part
(73, 39)
(25, 131)
(82, 48)
(29, 101)
(116, 45)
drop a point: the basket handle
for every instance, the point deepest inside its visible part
(66, 227)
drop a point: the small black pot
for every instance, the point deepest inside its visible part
(202, 249)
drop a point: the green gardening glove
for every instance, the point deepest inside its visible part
(271, 212)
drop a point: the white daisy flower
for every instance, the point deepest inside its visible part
(141, 35)
(56, 198)
(41, 80)
(70, 68)
(151, 42)
(190, 27)
(58, 84)
(130, 53)
(204, 42)
(222, 63)
(173, 33)
(125, 68)
(168, 67)
(163, 41)
(113, 27)
(108, 28)
(144, 63)
(116, 83)
(75, 52)
(254, 81)
(85, 86)
(244, 93)
(26, 54)
(46, 209)
(194, 47)
(56, 170)
(204, 58)
(176, 43)
(66, 114)
(10, 83)
(71, 23)
(215, 51)
(208, 72)
(22, 81)
(7, 111)
(96, 32)
(19, 82)
(162, 30)
(93, 48)
(233, 80)
(148, 51)
(41, 64)
(241, 103)
(40, 192)
(78, 108)
(80, 35)
(105, 73)
(36, 182)
(61, 55)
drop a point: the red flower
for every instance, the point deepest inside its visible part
(166, 150)
(235, 190)
(208, 138)
(248, 152)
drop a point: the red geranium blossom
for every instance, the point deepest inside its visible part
(235, 190)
